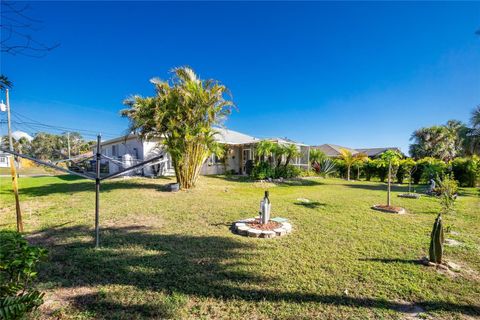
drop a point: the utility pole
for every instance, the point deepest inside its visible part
(12, 168)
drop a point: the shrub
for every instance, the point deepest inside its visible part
(381, 168)
(448, 189)
(341, 168)
(427, 168)
(18, 262)
(406, 168)
(262, 170)
(287, 172)
(370, 169)
(466, 171)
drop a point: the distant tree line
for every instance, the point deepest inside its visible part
(48, 146)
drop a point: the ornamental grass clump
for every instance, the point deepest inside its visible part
(182, 115)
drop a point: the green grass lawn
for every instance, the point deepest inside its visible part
(172, 255)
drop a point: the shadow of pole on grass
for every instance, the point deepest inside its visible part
(204, 266)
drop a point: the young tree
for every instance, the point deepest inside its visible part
(391, 158)
(409, 165)
(182, 115)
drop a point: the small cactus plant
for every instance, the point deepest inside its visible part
(436, 241)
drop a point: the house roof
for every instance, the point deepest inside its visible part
(333, 150)
(373, 152)
(17, 135)
(228, 136)
(121, 138)
(285, 141)
(223, 135)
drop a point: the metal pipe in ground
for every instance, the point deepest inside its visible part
(97, 193)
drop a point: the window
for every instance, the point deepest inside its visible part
(114, 151)
(214, 159)
(3, 160)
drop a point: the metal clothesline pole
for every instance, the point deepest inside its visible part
(98, 156)
(97, 192)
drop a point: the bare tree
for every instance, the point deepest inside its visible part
(18, 30)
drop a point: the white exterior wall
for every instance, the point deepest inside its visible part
(233, 163)
(152, 149)
(4, 160)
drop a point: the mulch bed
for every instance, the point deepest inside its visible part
(269, 226)
(391, 209)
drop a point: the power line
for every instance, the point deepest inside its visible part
(36, 123)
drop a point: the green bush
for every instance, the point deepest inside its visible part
(18, 261)
(370, 169)
(381, 169)
(428, 168)
(466, 171)
(448, 189)
(341, 168)
(287, 172)
(263, 170)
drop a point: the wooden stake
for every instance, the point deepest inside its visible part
(12, 167)
(15, 191)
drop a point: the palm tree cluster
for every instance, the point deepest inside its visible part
(448, 141)
(182, 114)
(351, 159)
(276, 153)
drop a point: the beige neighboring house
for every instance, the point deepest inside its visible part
(123, 152)
(333, 150)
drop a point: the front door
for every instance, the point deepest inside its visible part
(247, 155)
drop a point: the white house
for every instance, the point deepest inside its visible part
(126, 151)
(4, 160)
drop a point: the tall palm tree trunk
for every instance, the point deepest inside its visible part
(348, 173)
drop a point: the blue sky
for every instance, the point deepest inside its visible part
(354, 74)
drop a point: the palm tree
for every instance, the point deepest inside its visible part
(182, 114)
(279, 151)
(264, 149)
(441, 142)
(351, 159)
(5, 83)
(475, 118)
(316, 156)
(360, 158)
(291, 151)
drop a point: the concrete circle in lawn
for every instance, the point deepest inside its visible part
(252, 227)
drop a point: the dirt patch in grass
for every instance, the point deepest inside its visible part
(389, 209)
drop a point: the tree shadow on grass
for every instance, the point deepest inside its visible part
(377, 187)
(169, 265)
(285, 183)
(311, 204)
(385, 260)
(74, 184)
